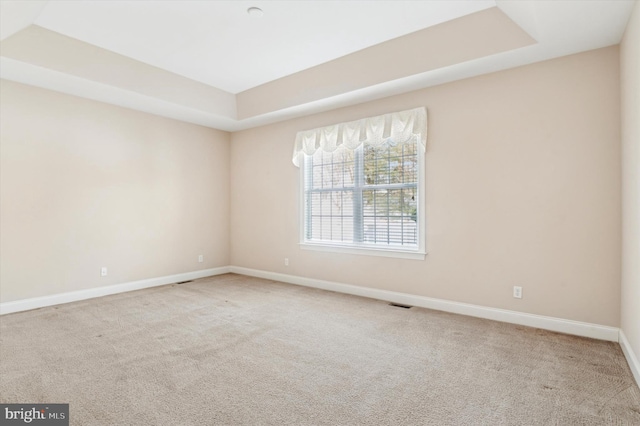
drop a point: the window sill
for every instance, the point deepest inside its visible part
(366, 251)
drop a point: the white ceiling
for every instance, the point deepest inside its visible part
(217, 44)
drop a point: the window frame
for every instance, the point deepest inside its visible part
(415, 253)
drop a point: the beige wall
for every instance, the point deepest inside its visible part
(453, 42)
(523, 188)
(630, 89)
(85, 185)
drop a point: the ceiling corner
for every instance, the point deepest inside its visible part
(523, 13)
(18, 15)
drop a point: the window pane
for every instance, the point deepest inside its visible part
(315, 228)
(316, 177)
(369, 229)
(347, 203)
(368, 201)
(395, 170)
(379, 207)
(325, 232)
(338, 171)
(348, 170)
(347, 229)
(336, 203)
(409, 170)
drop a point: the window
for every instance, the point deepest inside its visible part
(365, 198)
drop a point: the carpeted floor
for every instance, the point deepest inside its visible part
(234, 350)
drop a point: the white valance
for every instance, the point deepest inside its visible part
(392, 129)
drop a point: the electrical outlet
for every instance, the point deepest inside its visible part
(517, 292)
(103, 271)
(286, 261)
(200, 258)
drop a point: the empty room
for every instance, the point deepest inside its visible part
(320, 212)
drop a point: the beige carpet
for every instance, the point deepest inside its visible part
(233, 350)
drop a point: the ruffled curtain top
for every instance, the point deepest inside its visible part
(390, 129)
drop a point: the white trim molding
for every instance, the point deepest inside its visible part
(561, 325)
(577, 328)
(632, 358)
(90, 293)
(366, 251)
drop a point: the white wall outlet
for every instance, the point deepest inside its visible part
(517, 292)
(286, 261)
(103, 271)
(200, 258)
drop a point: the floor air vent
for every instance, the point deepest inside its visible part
(398, 305)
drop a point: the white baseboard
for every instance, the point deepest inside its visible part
(577, 328)
(632, 359)
(531, 320)
(73, 296)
